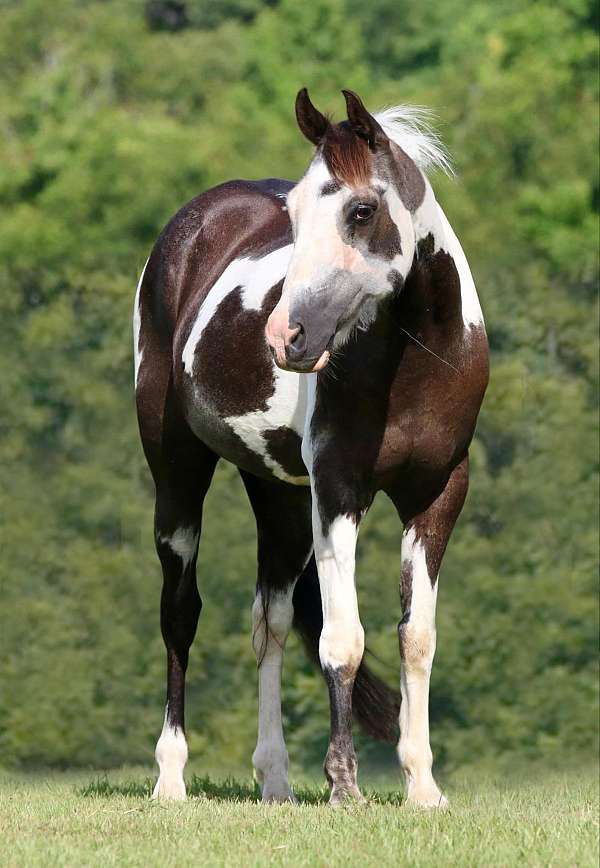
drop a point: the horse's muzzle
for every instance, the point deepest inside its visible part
(289, 345)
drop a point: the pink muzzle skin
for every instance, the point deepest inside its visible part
(279, 335)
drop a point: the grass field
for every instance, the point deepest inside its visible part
(75, 819)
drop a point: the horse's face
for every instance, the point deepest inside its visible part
(354, 238)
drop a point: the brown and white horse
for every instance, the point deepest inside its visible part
(326, 338)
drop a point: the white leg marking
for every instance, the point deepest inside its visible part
(137, 324)
(183, 542)
(270, 758)
(342, 638)
(256, 276)
(417, 649)
(171, 756)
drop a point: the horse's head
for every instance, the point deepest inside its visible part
(354, 238)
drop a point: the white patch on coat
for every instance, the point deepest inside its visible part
(471, 309)
(342, 639)
(418, 649)
(285, 408)
(429, 219)
(270, 758)
(255, 276)
(171, 756)
(184, 542)
(137, 325)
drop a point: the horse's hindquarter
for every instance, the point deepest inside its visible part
(222, 265)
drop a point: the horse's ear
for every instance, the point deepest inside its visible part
(312, 123)
(363, 123)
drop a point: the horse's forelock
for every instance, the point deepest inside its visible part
(347, 156)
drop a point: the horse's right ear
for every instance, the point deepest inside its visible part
(312, 123)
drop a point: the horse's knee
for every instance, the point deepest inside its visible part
(271, 621)
(342, 644)
(417, 645)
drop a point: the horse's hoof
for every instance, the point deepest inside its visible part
(428, 799)
(169, 790)
(346, 797)
(278, 795)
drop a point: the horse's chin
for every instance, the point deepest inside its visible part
(310, 368)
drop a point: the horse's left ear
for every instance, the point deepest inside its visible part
(363, 123)
(312, 123)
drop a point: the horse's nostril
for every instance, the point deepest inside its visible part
(299, 333)
(296, 348)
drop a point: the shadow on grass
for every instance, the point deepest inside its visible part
(229, 790)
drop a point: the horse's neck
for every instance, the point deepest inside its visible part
(434, 234)
(428, 223)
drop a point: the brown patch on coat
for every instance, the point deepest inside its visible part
(285, 447)
(235, 372)
(385, 239)
(406, 177)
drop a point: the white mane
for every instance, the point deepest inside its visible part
(410, 127)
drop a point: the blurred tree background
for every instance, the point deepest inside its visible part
(113, 114)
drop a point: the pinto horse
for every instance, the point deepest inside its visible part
(326, 338)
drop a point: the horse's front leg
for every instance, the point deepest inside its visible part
(342, 641)
(423, 544)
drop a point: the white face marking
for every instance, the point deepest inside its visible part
(256, 276)
(137, 324)
(321, 254)
(171, 756)
(270, 758)
(183, 542)
(418, 640)
(319, 247)
(342, 638)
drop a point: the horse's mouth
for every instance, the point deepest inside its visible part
(308, 366)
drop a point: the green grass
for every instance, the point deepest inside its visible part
(73, 819)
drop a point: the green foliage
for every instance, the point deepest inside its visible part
(110, 124)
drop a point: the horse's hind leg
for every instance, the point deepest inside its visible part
(181, 485)
(284, 546)
(423, 545)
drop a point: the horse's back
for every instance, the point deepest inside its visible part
(203, 237)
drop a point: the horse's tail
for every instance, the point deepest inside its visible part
(376, 705)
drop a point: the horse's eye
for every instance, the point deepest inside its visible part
(363, 213)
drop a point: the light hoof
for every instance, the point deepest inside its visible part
(428, 799)
(279, 797)
(346, 797)
(169, 790)
(278, 793)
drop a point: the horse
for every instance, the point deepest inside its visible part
(326, 338)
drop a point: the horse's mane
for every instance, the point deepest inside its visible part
(410, 127)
